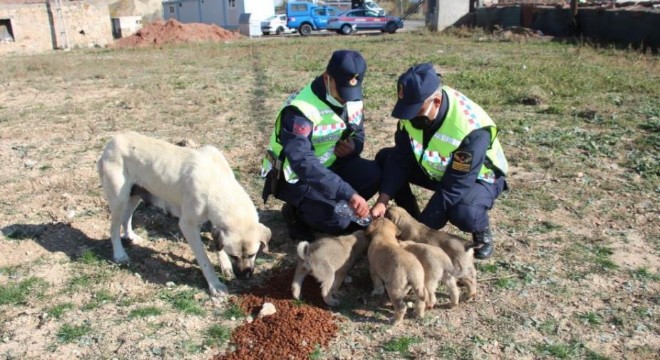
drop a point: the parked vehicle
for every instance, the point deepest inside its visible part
(276, 24)
(350, 21)
(306, 17)
(346, 5)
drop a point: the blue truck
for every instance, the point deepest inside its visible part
(307, 17)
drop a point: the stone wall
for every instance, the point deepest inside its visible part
(37, 27)
(31, 27)
(88, 24)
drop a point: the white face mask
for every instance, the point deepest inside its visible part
(330, 98)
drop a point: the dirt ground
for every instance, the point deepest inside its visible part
(575, 273)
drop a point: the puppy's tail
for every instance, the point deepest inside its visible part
(303, 250)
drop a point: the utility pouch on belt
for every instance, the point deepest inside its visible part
(276, 173)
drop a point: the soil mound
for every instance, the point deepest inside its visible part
(172, 31)
(293, 332)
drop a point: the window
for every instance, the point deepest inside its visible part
(171, 9)
(6, 32)
(299, 8)
(232, 3)
(320, 12)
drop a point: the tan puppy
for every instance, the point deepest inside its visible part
(437, 267)
(195, 185)
(394, 268)
(459, 251)
(328, 260)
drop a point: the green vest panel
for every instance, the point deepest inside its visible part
(463, 117)
(327, 130)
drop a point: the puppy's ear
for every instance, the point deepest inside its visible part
(265, 238)
(217, 237)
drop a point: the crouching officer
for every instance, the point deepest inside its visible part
(313, 160)
(446, 143)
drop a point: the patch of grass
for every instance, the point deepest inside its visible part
(455, 351)
(90, 258)
(58, 310)
(401, 344)
(183, 301)
(68, 333)
(545, 227)
(590, 318)
(80, 281)
(191, 347)
(572, 350)
(217, 335)
(486, 268)
(645, 274)
(18, 293)
(548, 327)
(506, 283)
(317, 354)
(145, 312)
(99, 298)
(234, 311)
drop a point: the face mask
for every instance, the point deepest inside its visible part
(421, 121)
(330, 98)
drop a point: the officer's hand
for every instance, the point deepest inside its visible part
(378, 210)
(344, 147)
(359, 205)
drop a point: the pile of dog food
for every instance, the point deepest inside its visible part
(293, 332)
(172, 31)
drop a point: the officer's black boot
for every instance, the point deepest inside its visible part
(298, 230)
(485, 239)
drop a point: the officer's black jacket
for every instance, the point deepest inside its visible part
(454, 185)
(298, 149)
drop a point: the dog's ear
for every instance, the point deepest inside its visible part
(265, 238)
(217, 237)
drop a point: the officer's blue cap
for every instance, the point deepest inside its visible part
(347, 68)
(413, 88)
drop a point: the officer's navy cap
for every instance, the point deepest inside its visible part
(347, 68)
(413, 88)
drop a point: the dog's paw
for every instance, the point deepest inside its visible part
(227, 274)
(122, 260)
(331, 301)
(218, 290)
(295, 290)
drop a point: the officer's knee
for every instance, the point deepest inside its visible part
(382, 155)
(469, 218)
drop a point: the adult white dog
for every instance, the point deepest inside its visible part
(195, 185)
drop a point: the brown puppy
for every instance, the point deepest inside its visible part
(394, 268)
(437, 267)
(328, 260)
(459, 251)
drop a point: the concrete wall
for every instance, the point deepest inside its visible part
(88, 24)
(37, 27)
(31, 26)
(445, 13)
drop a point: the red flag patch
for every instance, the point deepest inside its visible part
(302, 129)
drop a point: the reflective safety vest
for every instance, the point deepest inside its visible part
(327, 130)
(463, 117)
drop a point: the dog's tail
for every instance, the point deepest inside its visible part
(303, 250)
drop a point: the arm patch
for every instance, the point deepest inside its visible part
(462, 161)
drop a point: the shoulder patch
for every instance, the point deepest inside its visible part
(462, 161)
(302, 128)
